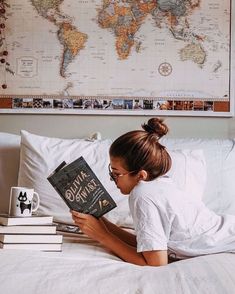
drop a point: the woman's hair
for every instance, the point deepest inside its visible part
(141, 149)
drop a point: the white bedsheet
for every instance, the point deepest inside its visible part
(85, 267)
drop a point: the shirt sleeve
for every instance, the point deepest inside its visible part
(150, 224)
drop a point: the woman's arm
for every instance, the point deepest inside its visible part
(129, 253)
(97, 230)
(122, 234)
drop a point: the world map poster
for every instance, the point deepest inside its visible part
(116, 56)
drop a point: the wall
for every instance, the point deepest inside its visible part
(72, 126)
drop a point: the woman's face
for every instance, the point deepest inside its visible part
(124, 179)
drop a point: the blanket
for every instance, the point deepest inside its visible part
(84, 266)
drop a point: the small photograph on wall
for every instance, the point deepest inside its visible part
(98, 104)
(78, 104)
(5, 103)
(138, 104)
(47, 103)
(208, 105)
(68, 103)
(198, 105)
(88, 104)
(148, 104)
(17, 103)
(118, 104)
(27, 103)
(58, 103)
(107, 104)
(37, 103)
(163, 105)
(183, 105)
(128, 104)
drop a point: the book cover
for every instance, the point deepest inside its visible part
(7, 220)
(26, 238)
(39, 247)
(80, 188)
(28, 229)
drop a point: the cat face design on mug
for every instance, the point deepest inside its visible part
(24, 201)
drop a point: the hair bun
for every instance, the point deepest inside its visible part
(156, 126)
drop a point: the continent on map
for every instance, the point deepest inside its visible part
(73, 41)
(44, 6)
(124, 19)
(71, 38)
(193, 52)
(175, 8)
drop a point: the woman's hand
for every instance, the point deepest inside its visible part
(89, 225)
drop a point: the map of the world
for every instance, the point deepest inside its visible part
(146, 49)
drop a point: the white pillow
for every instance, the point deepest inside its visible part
(188, 171)
(41, 155)
(9, 165)
(219, 194)
(225, 202)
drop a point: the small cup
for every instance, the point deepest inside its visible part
(23, 201)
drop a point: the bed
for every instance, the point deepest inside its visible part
(204, 168)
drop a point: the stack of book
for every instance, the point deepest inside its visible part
(32, 233)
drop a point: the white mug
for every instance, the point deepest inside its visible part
(22, 202)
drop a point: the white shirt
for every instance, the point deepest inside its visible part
(167, 219)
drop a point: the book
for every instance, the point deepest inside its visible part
(28, 229)
(27, 238)
(80, 188)
(40, 247)
(65, 228)
(7, 220)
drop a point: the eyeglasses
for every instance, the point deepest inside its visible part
(114, 177)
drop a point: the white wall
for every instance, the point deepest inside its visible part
(72, 126)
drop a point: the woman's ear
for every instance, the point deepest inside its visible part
(142, 175)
